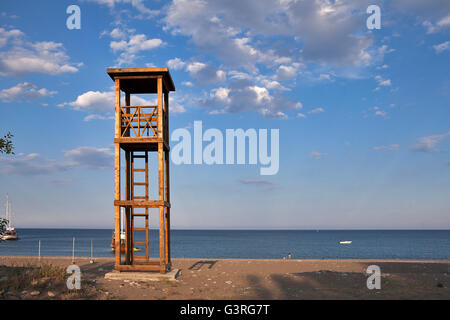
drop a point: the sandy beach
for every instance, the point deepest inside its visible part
(232, 279)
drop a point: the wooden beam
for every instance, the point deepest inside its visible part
(141, 204)
(167, 210)
(162, 238)
(139, 267)
(160, 107)
(117, 133)
(128, 230)
(117, 208)
(118, 116)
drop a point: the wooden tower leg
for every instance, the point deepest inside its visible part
(162, 238)
(127, 209)
(117, 208)
(167, 209)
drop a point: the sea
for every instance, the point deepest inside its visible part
(243, 244)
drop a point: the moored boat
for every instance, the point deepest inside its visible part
(10, 233)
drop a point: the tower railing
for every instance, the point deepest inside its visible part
(139, 121)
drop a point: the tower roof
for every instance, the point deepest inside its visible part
(141, 80)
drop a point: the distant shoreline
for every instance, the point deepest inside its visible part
(238, 229)
(111, 259)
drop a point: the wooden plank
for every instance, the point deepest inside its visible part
(149, 262)
(127, 110)
(136, 70)
(117, 208)
(141, 203)
(160, 107)
(162, 249)
(140, 184)
(146, 209)
(127, 210)
(117, 133)
(118, 118)
(138, 140)
(167, 199)
(139, 267)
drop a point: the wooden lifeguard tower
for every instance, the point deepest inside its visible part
(139, 131)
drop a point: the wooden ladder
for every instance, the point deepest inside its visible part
(139, 214)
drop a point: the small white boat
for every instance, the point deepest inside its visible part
(345, 242)
(10, 233)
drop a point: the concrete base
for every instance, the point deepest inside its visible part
(143, 276)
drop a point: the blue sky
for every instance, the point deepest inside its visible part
(363, 114)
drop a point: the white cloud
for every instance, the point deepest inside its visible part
(24, 91)
(392, 147)
(317, 155)
(384, 66)
(6, 35)
(98, 117)
(445, 46)
(316, 111)
(128, 44)
(318, 25)
(95, 101)
(285, 72)
(381, 113)
(137, 4)
(24, 57)
(382, 82)
(377, 112)
(260, 183)
(135, 44)
(434, 14)
(245, 96)
(204, 73)
(176, 64)
(274, 85)
(436, 27)
(101, 104)
(32, 164)
(428, 143)
(91, 157)
(187, 83)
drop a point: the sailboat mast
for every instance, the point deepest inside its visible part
(7, 209)
(10, 215)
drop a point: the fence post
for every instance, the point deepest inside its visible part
(92, 251)
(73, 250)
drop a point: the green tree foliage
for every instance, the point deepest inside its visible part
(6, 145)
(3, 223)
